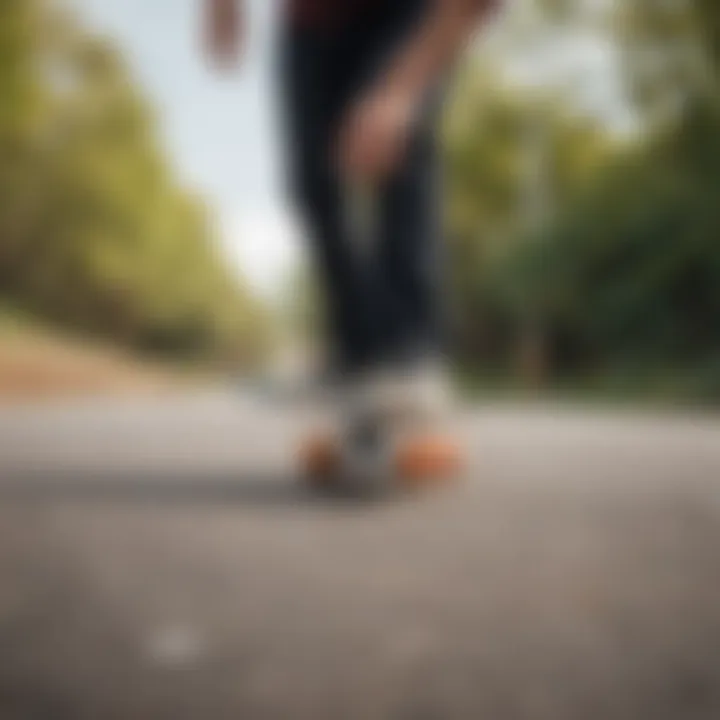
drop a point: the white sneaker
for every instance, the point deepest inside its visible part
(422, 393)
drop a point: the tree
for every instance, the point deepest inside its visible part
(95, 231)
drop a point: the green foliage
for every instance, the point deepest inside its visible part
(634, 270)
(511, 165)
(606, 251)
(95, 232)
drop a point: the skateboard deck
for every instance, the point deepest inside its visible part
(412, 463)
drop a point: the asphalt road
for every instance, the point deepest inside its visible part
(158, 560)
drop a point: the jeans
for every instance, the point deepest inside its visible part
(380, 275)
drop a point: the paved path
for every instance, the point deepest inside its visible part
(158, 562)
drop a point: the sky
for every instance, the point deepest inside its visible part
(221, 130)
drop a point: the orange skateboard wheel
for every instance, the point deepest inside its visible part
(419, 461)
(423, 460)
(320, 460)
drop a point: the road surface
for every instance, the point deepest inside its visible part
(158, 561)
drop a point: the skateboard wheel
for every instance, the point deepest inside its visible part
(320, 461)
(428, 459)
(419, 462)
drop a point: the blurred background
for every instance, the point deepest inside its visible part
(141, 201)
(158, 556)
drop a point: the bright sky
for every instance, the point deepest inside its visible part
(221, 131)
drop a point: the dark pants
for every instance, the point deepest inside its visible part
(381, 291)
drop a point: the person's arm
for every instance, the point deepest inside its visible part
(224, 30)
(440, 37)
(374, 135)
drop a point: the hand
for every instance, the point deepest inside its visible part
(223, 32)
(374, 136)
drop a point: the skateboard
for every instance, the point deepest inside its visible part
(375, 457)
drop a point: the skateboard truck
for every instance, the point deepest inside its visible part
(414, 462)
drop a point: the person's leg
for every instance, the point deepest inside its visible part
(386, 295)
(315, 76)
(408, 258)
(404, 250)
(410, 250)
(382, 292)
